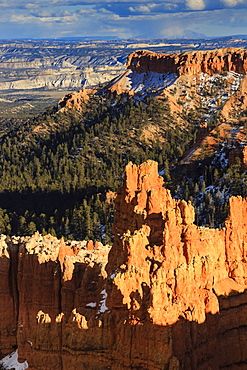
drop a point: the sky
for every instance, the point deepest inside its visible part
(121, 18)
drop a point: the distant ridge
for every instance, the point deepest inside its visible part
(86, 38)
(187, 34)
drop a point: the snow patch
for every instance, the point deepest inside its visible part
(92, 304)
(11, 362)
(189, 154)
(222, 87)
(114, 273)
(102, 303)
(149, 81)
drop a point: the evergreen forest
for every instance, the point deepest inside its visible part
(56, 169)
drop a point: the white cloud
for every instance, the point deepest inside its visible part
(141, 9)
(154, 7)
(195, 4)
(64, 13)
(232, 3)
(105, 11)
(86, 11)
(122, 17)
(170, 6)
(15, 18)
(43, 13)
(43, 18)
(114, 17)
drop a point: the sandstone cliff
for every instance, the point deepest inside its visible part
(212, 81)
(190, 63)
(172, 295)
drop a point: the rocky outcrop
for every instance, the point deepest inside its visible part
(74, 100)
(8, 297)
(44, 281)
(210, 83)
(190, 63)
(175, 275)
(172, 295)
(53, 65)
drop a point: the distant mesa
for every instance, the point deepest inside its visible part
(190, 63)
(185, 34)
(148, 70)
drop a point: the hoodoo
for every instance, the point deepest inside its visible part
(171, 296)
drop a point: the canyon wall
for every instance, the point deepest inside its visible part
(190, 63)
(170, 294)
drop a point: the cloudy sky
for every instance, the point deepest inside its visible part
(122, 18)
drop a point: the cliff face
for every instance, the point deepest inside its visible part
(210, 83)
(172, 295)
(190, 63)
(175, 275)
(157, 235)
(43, 283)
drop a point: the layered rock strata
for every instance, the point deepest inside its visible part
(172, 295)
(214, 80)
(44, 281)
(190, 63)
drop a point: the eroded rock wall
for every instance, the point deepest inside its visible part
(170, 295)
(190, 63)
(173, 274)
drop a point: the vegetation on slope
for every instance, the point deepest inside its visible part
(56, 169)
(209, 183)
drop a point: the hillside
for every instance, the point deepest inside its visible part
(146, 270)
(59, 170)
(199, 125)
(34, 74)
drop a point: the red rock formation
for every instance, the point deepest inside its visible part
(74, 100)
(190, 63)
(174, 294)
(192, 84)
(237, 102)
(168, 271)
(8, 297)
(245, 158)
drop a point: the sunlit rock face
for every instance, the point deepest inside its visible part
(210, 62)
(74, 100)
(170, 295)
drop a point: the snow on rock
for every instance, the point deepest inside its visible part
(223, 160)
(102, 303)
(149, 81)
(11, 362)
(113, 274)
(221, 87)
(92, 304)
